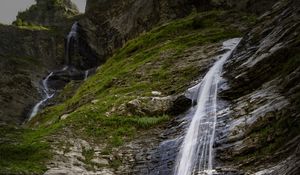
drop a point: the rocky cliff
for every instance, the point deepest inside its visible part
(109, 24)
(26, 55)
(263, 118)
(28, 51)
(47, 13)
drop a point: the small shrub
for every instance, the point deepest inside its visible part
(198, 22)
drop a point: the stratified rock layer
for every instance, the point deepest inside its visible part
(261, 126)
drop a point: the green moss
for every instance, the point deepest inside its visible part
(116, 129)
(22, 151)
(28, 26)
(88, 155)
(115, 164)
(33, 27)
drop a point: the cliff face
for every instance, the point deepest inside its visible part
(109, 24)
(128, 118)
(47, 13)
(25, 57)
(264, 116)
(28, 51)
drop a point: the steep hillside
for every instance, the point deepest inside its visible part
(128, 85)
(115, 106)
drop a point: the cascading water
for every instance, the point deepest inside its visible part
(47, 96)
(86, 74)
(71, 36)
(47, 93)
(196, 152)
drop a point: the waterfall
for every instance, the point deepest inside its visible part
(196, 152)
(47, 96)
(86, 74)
(47, 93)
(71, 36)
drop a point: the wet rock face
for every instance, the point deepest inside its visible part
(109, 24)
(82, 55)
(258, 130)
(25, 56)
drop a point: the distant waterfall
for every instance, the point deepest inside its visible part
(47, 96)
(86, 74)
(196, 152)
(72, 36)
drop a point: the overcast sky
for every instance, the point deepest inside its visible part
(9, 8)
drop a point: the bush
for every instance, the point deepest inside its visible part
(198, 22)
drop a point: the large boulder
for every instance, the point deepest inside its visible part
(153, 106)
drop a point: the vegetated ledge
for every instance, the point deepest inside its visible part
(47, 13)
(155, 61)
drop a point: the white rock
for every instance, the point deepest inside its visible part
(100, 161)
(156, 93)
(65, 116)
(95, 101)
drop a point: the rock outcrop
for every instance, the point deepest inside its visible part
(260, 130)
(110, 24)
(47, 13)
(25, 57)
(32, 48)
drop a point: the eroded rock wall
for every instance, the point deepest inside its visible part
(25, 57)
(260, 129)
(48, 13)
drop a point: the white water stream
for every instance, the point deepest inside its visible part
(86, 74)
(72, 35)
(47, 96)
(196, 152)
(47, 93)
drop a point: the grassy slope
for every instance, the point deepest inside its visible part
(135, 70)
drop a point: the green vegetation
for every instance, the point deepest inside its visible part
(33, 27)
(116, 163)
(27, 25)
(141, 66)
(22, 151)
(88, 156)
(46, 13)
(148, 63)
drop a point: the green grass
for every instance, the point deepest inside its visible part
(129, 72)
(116, 129)
(144, 64)
(23, 151)
(135, 70)
(33, 27)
